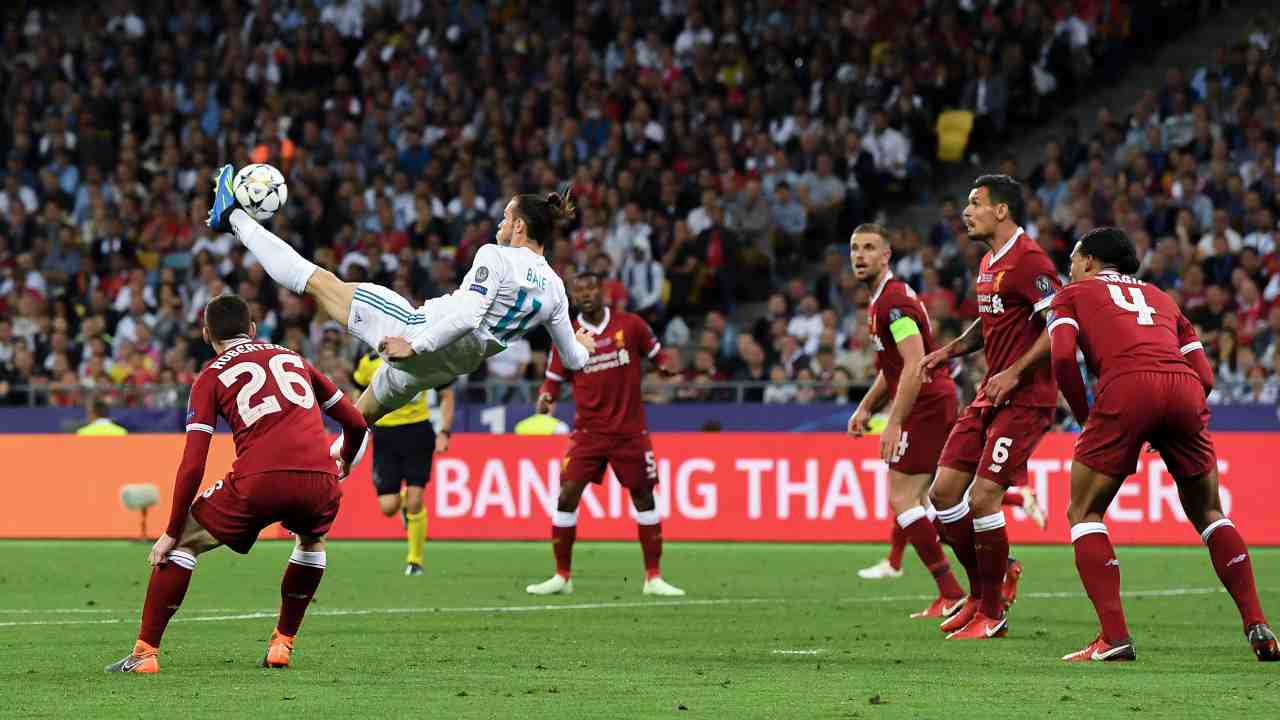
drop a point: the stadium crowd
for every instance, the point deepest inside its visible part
(719, 150)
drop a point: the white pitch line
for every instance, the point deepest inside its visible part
(341, 612)
(797, 652)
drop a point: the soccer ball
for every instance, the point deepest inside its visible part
(260, 190)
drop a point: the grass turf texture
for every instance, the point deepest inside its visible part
(767, 631)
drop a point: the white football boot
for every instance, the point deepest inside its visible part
(555, 585)
(658, 586)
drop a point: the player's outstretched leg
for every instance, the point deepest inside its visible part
(1230, 556)
(165, 592)
(649, 531)
(297, 588)
(948, 495)
(889, 567)
(1091, 495)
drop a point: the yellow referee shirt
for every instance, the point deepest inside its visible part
(416, 411)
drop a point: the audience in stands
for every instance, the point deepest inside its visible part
(717, 150)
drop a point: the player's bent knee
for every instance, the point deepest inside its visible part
(389, 505)
(310, 543)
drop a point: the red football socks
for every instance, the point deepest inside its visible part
(924, 539)
(1100, 574)
(897, 545)
(957, 528)
(991, 550)
(165, 591)
(1235, 569)
(298, 587)
(562, 547)
(651, 546)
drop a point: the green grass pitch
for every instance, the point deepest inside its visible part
(767, 631)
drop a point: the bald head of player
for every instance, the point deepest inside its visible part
(530, 221)
(226, 318)
(586, 295)
(1104, 248)
(869, 252)
(994, 209)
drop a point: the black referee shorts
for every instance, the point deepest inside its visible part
(402, 454)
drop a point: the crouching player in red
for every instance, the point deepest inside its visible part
(272, 399)
(921, 413)
(609, 429)
(1152, 381)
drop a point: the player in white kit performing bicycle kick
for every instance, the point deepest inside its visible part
(508, 292)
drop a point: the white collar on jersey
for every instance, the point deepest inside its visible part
(233, 342)
(595, 329)
(888, 275)
(1016, 234)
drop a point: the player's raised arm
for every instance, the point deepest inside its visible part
(1193, 350)
(336, 405)
(470, 302)
(202, 418)
(1063, 333)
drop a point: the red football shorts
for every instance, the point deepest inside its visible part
(924, 434)
(996, 442)
(236, 509)
(630, 456)
(1167, 410)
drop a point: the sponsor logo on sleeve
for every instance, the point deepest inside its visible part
(895, 314)
(482, 274)
(479, 288)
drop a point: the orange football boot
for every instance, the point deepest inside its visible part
(278, 650)
(143, 659)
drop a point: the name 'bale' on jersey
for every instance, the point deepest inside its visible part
(272, 398)
(893, 301)
(607, 390)
(1126, 326)
(1014, 286)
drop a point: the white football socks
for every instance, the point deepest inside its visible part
(281, 261)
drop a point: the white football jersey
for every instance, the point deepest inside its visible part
(507, 293)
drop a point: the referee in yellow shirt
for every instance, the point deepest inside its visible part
(404, 442)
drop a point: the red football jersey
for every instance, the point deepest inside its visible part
(607, 389)
(273, 399)
(893, 300)
(1125, 326)
(1014, 286)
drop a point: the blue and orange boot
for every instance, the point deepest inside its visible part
(143, 659)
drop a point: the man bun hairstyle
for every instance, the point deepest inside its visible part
(1006, 190)
(1111, 247)
(545, 215)
(227, 316)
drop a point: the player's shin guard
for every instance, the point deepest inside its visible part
(564, 530)
(897, 546)
(917, 528)
(1100, 574)
(991, 550)
(165, 591)
(1235, 569)
(649, 528)
(957, 529)
(278, 258)
(297, 588)
(415, 535)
